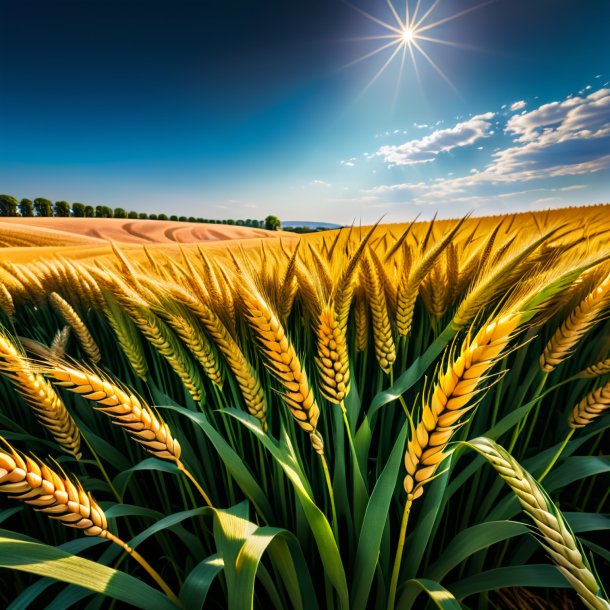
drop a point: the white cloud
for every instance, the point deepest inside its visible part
(426, 149)
(349, 162)
(520, 105)
(320, 183)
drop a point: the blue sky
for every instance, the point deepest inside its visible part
(238, 109)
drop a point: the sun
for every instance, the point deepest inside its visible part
(409, 34)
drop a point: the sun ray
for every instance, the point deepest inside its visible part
(449, 43)
(373, 19)
(427, 14)
(414, 63)
(439, 71)
(401, 25)
(364, 38)
(455, 16)
(373, 52)
(382, 69)
(414, 18)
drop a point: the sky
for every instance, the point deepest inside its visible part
(307, 110)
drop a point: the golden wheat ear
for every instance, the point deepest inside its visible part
(556, 536)
(451, 398)
(593, 405)
(73, 320)
(125, 409)
(40, 396)
(32, 482)
(283, 361)
(578, 323)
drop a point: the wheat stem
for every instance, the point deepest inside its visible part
(557, 455)
(182, 468)
(151, 571)
(331, 495)
(398, 558)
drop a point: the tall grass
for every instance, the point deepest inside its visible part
(307, 424)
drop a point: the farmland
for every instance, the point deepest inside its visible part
(395, 416)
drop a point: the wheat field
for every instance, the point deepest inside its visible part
(397, 416)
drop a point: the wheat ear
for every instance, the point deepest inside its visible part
(165, 342)
(385, 349)
(411, 280)
(126, 410)
(34, 483)
(73, 320)
(361, 321)
(187, 328)
(332, 359)
(596, 370)
(283, 363)
(592, 406)
(40, 395)
(127, 335)
(6, 301)
(555, 535)
(245, 374)
(578, 323)
(451, 398)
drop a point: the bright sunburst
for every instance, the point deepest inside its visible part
(408, 34)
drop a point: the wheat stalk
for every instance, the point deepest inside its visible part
(185, 326)
(450, 400)
(126, 410)
(40, 396)
(73, 320)
(385, 349)
(127, 336)
(245, 374)
(411, 279)
(361, 321)
(6, 301)
(555, 534)
(332, 358)
(30, 481)
(596, 370)
(283, 362)
(578, 323)
(592, 406)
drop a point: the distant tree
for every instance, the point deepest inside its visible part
(191, 219)
(199, 220)
(256, 224)
(120, 213)
(240, 223)
(142, 215)
(26, 208)
(89, 211)
(153, 217)
(103, 211)
(78, 210)
(61, 209)
(8, 205)
(162, 216)
(132, 214)
(43, 207)
(182, 219)
(173, 217)
(272, 223)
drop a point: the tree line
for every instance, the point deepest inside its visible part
(9, 206)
